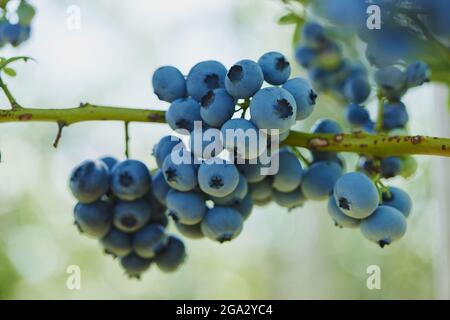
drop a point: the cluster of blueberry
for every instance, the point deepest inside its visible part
(212, 198)
(328, 69)
(117, 205)
(16, 33)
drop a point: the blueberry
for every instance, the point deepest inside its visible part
(273, 108)
(340, 219)
(164, 147)
(236, 195)
(313, 34)
(304, 95)
(117, 243)
(182, 113)
(93, 219)
(159, 215)
(243, 79)
(181, 176)
(251, 172)
(243, 137)
(261, 190)
(191, 232)
(160, 187)
(384, 226)
(172, 256)
(134, 265)
(16, 33)
(109, 161)
(204, 77)
(390, 167)
(399, 200)
(218, 179)
(319, 179)
(89, 181)
(149, 241)
(356, 195)
(205, 144)
(417, 74)
(326, 126)
(276, 69)
(169, 84)
(244, 206)
(186, 207)
(391, 81)
(222, 224)
(131, 216)
(217, 106)
(395, 115)
(290, 200)
(357, 115)
(357, 89)
(130, 180)
(290, 172)
(305, 56)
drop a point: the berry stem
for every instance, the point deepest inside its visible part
(127, 140)
(9, 96)
(379, 145)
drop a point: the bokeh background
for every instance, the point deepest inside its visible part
(280, 255)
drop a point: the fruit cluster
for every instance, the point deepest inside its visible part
(16, 33)
(116, 204)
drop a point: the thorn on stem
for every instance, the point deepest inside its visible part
(61, 125)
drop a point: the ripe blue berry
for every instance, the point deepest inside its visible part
(169, 84)
(356, 195)
(276, 69)
(391, 166)
(313, 34)
(357, 89)
(134, 265)
(391, 81)
(243, 79)
(15, 34)
(172, 256)
(261, 190)
(222, 224)
(204, 77)
(186, 207)
(251, 172)
(109, 161)
(326, 126)
(218, 179)
(384, 226)
(180, 176)
(319, 179)
(395, 115)
(131, 216)
(357, 115)
(149, 241)
(117, 243)
(160, 187)
(236, 195)
(273, 108)
(243, 137)
(130, 180)
(305, 56)
(182, 113)
(217, 106)
(205, 144)
(417, 74)
(89, 181)
(399, 200)
(290, 200)
(93, 219)
(244, 206)
(164, 147)
(304, 95)
(191, 232)
(340, 219)
(290, 172)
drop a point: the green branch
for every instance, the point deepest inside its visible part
(379, 145)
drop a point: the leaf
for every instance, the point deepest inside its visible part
(297, 33)
(289, 18)
(10, 72)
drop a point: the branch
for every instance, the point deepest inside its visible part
(379, 145)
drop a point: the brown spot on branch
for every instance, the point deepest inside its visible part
(315, 143)
(416, 139)
(25, 117)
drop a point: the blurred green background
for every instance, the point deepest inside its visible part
(279, 255)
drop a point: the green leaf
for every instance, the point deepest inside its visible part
(10, 72)
(25, 12)
(297, 33)
(289, 18)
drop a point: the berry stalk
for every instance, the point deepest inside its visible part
(379, 145)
